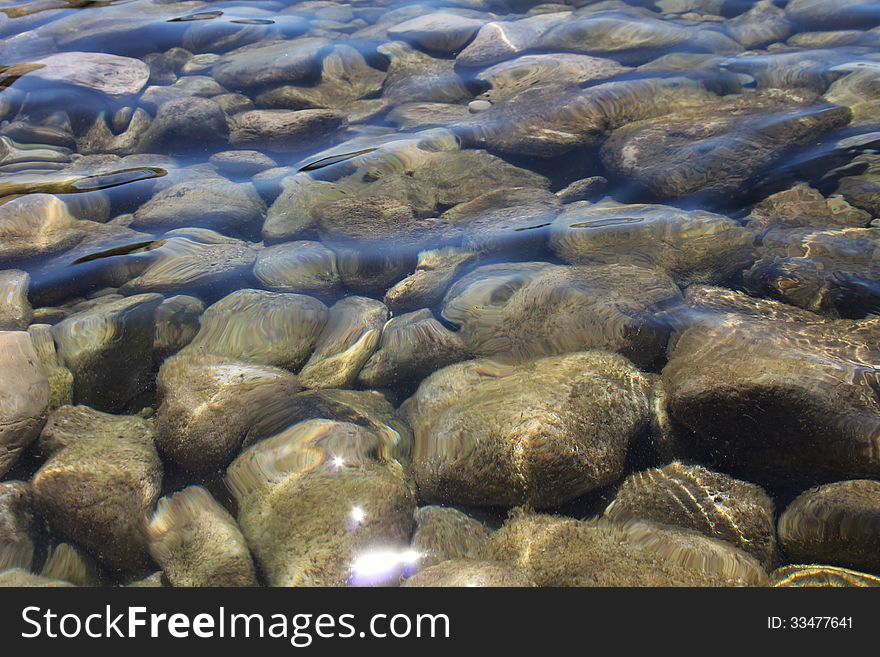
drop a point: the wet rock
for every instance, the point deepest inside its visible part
(15, 309)
(444, 533)
(18, 577)
(346, 495)
(349, 338)
(584, 189)
(677, 155)
(691, 246)
(773, 395)
(425, 287)
(409, 116)
(847, 13)
(99, 343)
(861, 190)
(110, 75)
(217, 204)
(234, 103)
(763, 24)
(59, 377)
(101, 138)
(300, 266)
(67, 563)
(441, 31)
(509, 78)
(208, 405)
(803, 206)
(469, 573)
(859, 91)
(100, 483)
(193, 259)
(24, 396)
(372, 274)
(184, 125)
(527, 310)
(412, 346)
(548, 120)
(497, 41)
(36, 225)
(15, 156)
(557, 551)
(17, 526)
(821, 576)
(491, 433)
(177, 322)
(278, 62)
(284, 131)
(241, 164)
(711, 503)
(835, 524)
(197, 543)
(415, 76)
(261, 327)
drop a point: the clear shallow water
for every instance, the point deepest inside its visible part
(467, 293)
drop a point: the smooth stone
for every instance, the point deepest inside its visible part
(68, 563)
(36, 225)
(184, 125)
(414, 76)
(425, 287)
(836, 524)
(491, 433)
(241, 163)
(803, 206)
(284, 131)
(371, 274)
(763, 24)
(110, 75)
(177, 322)
(24, 396)
(18, 528)
(477, 106)
(769, 392)
(858, 91)
(497, 41)
(676, 156)
(712, 503)
(234, 103)
(197, 542)
(529, 310)
(821, 577)
(217, 204)
(97, 344)
(15, 309)
(347, 497)
(558, 551)
(585, 189)
(193, 260)
(863, 189)
(261, 327)
(444, 533)
(102, 477)
(691, 246)
(279, 62)
(441, 31)
(350, 336)
(458, 573)
(209, 405)
(410, 116)
(60, 378)
(19, 578)
(843, 14)
(412, 346)
(299, 266)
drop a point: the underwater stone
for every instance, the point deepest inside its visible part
(763, 24)
(111, 75)
(99, 484)
(24, 396)
(821, 576)
(185, 124)
(278, 62)
(469, 573)
(691, 246)
(859, 91)
(36, 225)
(299, 266)
(842, 14)
(441, 31)
(284, 131)
(17, 526)
(415, 76)
(209, 405)
(711, 503)
(538, 433)
(68, 563)
(241, 163)
(98, 343)
(349, 338)
(15, 309)
(803, 206)
(347, 497)
(863, 189)
(18, 577)
(497, 41)
(557, 551)
(836, 524)
(197, 542)
(425, 287)
(60, 378)
(444, 533)
(177, 322)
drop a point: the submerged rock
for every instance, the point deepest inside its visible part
(299, 266)
(803, 206)
(538, 433)
(17, 525)
(497, 41)
(425, 287)
(557, 551)
(444, 533)
(277, 62)
(24, 396)
(209, 405)
(763, 24)
(60, 378)
(711, 503)
(858, 91)
(347, 496)
(846, 13)
(836, 523)
(284, 131)
(99, 483)
(527, 310)
(415, 76)
(197, 543)
(257, 326)
(18, 577)
(97, 344)
(441, 31)
(15, 309)
(691, 246)
(412, 346)
(821, 576)
(350, 336)
(36, 225)
(186, 124)
(863, 189)
(177, 322)
(469, 573)
(68, 563)
(110, 75)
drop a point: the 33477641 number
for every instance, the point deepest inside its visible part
(820, 622)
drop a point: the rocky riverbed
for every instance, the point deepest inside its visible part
(440, 293)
